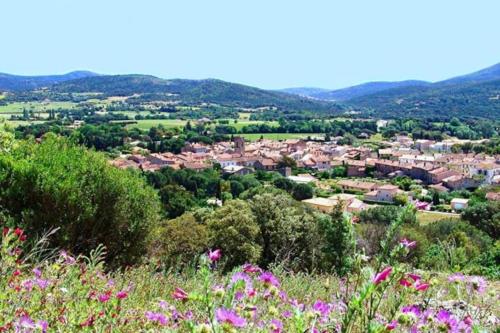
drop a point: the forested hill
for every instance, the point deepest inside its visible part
(365, 89)
(192, 91)
(438, 100)
(10, 82)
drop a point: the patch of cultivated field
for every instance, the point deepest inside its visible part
(146, 124)
(425, 217)
(18, 107)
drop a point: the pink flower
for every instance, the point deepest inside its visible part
(405, 283)
(407, 243)
(455, 277)
(414, 277)
(269, 279)
(249, 268)
(477, 284)
(121, 294)
(103, 298)
(179, 294)
(225, 316)
(382, 276)
(215, 255)
(421, 286)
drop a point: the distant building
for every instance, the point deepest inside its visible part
(458, 204)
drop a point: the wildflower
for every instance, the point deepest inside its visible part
(477, 283)
(16, 272)
(391, 326)
(456, 277)
(269, 279)
(5, 231)
(18, 232)
(382, 276)
(405, 283)
(69, 260)
(446, 320)
(407, 243)
(157, 317)
(103, 298)
(121, 294)
(41, 283)
(321, 308)
(225, 316)
(89, 322)
(37, 272)
(419, 286)
(179, 294)
(276, 326)
(215, 255)
(249, 268)
(414, 277)
(239, 276)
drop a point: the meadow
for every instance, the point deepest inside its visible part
(48, 291)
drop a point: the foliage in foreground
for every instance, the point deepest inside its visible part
(75, 294)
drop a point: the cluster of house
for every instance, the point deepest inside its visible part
(419, 160)
(430, 163)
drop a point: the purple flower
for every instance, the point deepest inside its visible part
(41, 283)
(215, 255)
(240, 276)
(157, 317)
(322, 308)
(477, 284)
(447, 320)
(225, 316)
(276, 326)
(269, 279)
(411, 309)
(455, 277)
(37, 272)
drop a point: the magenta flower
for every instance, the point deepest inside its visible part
(121, 294)
(407, 243)
(103, 298)
(420, 286)
(269, 279)
(225, 316)
(447, 321)
(179, 294)
(41, 283)
(382, 276)
(414, 277)
(215, 255)
(405, 283)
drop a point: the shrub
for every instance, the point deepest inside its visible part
(56, 184)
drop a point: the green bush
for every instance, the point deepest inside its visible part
(56, 184)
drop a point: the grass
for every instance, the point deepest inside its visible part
(18, 107)
(146, 124)
(425, 217)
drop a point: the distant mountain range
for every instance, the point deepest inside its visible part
(10, 82)
(475, 94)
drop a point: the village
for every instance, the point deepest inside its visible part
(432, 167)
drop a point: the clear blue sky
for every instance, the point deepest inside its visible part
(265, 43)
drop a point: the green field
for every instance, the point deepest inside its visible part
(146, 124)
(36, 106)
